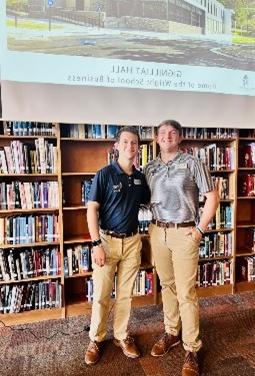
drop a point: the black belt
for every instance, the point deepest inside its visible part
(119, 235)
(172, 224)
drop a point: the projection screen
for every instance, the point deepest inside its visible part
(128, 61)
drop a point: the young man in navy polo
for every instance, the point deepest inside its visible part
(115, 197)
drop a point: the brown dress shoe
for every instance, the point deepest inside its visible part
(128, 347)
(92, 354)
(164, 344)
(190, 367)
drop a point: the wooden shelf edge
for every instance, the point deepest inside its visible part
(32, 316)
(244, 286)
(34, 279)
(28, 211)
(203, 292)
(29, 245)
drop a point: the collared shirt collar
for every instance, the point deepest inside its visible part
(119, 170)
(176, 158)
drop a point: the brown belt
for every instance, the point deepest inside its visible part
(172, 225)
(119, 235)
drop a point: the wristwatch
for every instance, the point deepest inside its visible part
(96, 242)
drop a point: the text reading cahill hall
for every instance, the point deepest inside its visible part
(159, 72)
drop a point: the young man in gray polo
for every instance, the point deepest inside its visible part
(115, 197)
(176, 179)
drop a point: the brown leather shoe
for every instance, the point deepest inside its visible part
(128, 347)
(164, 344)
(190, 367)
(92, 354)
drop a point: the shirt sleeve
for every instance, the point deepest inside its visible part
(203, 177)
(96, 190)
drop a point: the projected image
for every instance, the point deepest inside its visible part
(173, 35)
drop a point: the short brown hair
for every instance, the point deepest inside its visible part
(175, 124)
(130, 129)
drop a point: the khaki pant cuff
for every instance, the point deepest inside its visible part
(193, 347)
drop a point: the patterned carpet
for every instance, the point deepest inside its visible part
(56, 347)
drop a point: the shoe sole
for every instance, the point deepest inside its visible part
(124, 352)
(91, 363)
(158, 356)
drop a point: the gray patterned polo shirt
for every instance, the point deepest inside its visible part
(176, 186)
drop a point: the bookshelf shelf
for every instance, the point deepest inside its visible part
(78, 275)
(29, 245)
(244, 286)
(28, 211)
(39, 278)
(205, 259)
(211, 140)
(214, 290)
(12, 137)
(223, 171)
(245, 224)
(218, 230)
(69, 139)
(246, 169)
(246, 198)
(78, 173)
(246, 253)
(78, 239)
(77, 207)
(29, 175)
(32, 316)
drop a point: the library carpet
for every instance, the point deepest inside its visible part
(56, 347)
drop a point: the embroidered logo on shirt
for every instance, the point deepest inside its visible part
(137, 182)
(117, 187)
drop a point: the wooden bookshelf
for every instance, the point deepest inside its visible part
(78, 160)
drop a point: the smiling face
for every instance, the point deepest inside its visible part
(168, 138)
(127, 146)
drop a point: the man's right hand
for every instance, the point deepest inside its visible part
(98, 255)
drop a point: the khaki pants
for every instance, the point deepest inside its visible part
(176, 260)
(123, 257)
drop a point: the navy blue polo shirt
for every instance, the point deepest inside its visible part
(119, 196)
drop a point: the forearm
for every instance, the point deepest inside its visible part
(93, 225)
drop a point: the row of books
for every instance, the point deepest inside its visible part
(30, 296)
(246, 155)
(214, 156)
(246, 185)
(216, 245)
(214, 273)
(99, 131)
(29, 229)
(144, 285)
(245, 270)
(222, 218)
(85, 190)
(20, 158)
(222, 185)
(28, 128)
(29, 195)
(144, 156)
(30, 263)
(214, 133)
(77, 260)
